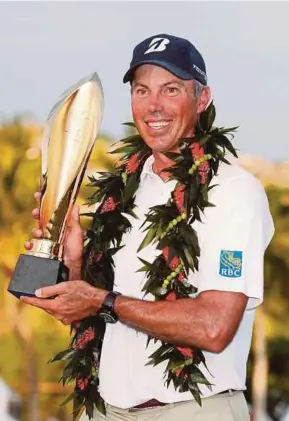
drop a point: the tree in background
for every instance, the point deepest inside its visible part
(29, 337)
(268, 360)
(18, 152)
(276, 304)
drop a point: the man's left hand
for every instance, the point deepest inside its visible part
(68, 301)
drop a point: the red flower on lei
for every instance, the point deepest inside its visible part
(133, 163)
(179, 197)
(85, 337)
(109, 205)
(198, 152)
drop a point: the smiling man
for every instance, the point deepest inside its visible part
(164, 108)
(168, 93)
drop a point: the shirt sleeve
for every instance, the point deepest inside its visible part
(233, 239)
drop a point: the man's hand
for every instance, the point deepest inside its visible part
(74, 300)
(73, 240)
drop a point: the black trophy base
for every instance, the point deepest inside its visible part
(32, 273)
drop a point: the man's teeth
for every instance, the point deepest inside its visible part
(158, 124)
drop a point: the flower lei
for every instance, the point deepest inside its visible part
(170, 227)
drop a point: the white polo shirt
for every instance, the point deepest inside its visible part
(233, 238)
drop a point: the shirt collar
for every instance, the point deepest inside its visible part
(148, 172)
(148, 165)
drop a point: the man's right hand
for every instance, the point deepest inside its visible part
(73, 240)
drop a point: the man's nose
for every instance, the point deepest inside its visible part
(155, 103)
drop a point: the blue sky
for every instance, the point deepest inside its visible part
(47, 46)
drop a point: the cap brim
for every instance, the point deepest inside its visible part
(167, 66)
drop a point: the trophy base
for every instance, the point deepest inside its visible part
(32, 273)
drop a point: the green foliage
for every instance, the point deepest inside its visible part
(276, 302)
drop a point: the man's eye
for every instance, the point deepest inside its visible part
(141, 92)
(172, 90)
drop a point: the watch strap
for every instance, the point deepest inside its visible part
(109, 301)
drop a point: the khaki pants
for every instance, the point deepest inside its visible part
(226, 407)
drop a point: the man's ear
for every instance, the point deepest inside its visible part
(204, 99)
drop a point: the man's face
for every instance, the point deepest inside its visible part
(164, 107)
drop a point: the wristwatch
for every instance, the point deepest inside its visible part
(106, 311)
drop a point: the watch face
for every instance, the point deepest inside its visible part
(108, 317)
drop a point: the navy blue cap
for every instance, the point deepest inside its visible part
(177, 55)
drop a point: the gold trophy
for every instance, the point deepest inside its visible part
(71, 131)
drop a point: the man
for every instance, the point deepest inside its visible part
(168, 92)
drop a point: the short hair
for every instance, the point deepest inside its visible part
(198, 88)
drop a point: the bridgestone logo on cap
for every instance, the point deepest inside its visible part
(200, 71)
(157, 44)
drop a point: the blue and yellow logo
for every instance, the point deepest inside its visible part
(231, 263)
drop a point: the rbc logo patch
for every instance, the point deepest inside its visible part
(231, 263)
